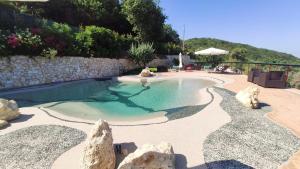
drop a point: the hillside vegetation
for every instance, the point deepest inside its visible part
(97, 28)
(253, 54)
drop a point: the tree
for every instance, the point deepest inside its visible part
(238, 54)
(171, 36)
(104, 13)
(146, 17)
(141, 54)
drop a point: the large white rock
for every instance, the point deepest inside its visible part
(146, 73)
(150, 157)
(99, 152)
(249, 97)
(8, 110)
(3, 123)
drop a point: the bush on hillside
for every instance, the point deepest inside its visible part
(20, 42)
(3, 43)
(49, 53)
(60, 37)
(168, 48)
(295, 80)
(101, 42)
(142, 53)
(41, 34)
(104, 13)
(147, 19)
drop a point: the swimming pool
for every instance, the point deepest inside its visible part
(110, 99)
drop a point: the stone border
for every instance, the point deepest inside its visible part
(250, 138)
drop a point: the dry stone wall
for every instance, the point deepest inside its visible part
(20, 71)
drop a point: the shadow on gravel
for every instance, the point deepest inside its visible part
(181, 163)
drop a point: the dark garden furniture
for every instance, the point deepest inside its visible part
(272, 79)
(253, 75)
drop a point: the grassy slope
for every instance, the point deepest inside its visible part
(253, 53)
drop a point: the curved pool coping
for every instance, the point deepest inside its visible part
(158, 118)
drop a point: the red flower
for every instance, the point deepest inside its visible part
(13, 41)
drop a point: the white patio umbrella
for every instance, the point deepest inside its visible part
(212, 52)
(180, 60)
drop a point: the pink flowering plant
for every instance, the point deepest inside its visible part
(13, 41)
(29, 42)
(21, 42)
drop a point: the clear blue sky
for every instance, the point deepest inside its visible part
(272, 24)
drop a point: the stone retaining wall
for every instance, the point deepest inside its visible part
(20, 71)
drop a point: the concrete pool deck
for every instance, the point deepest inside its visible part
(187, 140)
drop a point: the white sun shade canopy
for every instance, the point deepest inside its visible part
(212, 52)
(180, 60)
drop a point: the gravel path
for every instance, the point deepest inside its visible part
(250, 138)
(37, 147)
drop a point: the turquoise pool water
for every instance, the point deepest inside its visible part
(110, 99)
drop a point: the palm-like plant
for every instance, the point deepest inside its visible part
(142, 53)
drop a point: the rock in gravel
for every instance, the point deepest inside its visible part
(249, 97)
(3, 123)
(99, 152)
(8, 110)
(150, 157)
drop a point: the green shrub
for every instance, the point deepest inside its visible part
(20, 42)
(168, 48)
(60, 37)
(49, 53)
(153, 69)
(147, 19)
(294, 80)
(58, 29)
(3, 43)
(142, 54)
(100, 42)
(30, 44)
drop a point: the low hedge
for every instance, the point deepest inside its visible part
(90, 41)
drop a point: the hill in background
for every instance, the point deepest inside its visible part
(253, 54)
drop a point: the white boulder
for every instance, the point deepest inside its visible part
(150, 157)
(3, 123)
(249, 97)
(8, 110)
(146, 73)
(99, 152)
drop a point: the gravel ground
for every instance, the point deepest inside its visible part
(250, 138)
(37, 147)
